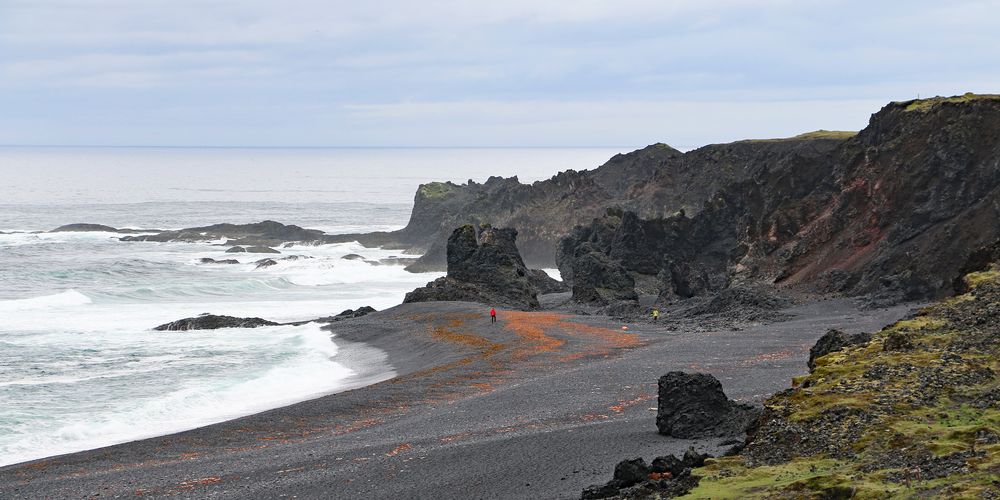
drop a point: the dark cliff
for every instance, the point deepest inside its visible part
(894, 212)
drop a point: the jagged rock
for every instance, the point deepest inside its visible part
(599, 280)
(213, 322)
(694, 405)
(236, 250)
(352, 313)
(545, 283)
(209, 260)
(262, 263)
(483, 266)
(352, 256)
(631, 471)
(833, 341)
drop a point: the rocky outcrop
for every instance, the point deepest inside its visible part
(213, 322)
(262, 263)
(666, 477)
(834, 341)
(693, 405)
(893, 213)
(544, 283)
(82, 227)
(266, 233)
(483, 266)
(209, 260)
(260, 249)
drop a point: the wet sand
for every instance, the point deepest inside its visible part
(539, 405)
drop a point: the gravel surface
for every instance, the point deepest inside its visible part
(539, 405)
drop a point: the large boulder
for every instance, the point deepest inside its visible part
(483, 266)
(833, 341)
(213, 322)
(693, 405)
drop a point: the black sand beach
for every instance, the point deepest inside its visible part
(538, 406)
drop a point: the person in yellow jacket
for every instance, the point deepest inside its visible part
(656, 315)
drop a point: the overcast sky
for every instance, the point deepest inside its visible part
(475, 73)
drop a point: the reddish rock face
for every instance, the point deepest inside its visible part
(893, 213)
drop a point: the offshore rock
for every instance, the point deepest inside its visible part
(213, 322)
(266, 233)
(483, 266)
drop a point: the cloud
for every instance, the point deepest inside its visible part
(349, 64)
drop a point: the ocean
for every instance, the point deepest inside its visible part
(81, 367)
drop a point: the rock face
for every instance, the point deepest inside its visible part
(545, 283)
(693, 405)
(213, 322)
(483, 266)
(833, 341)
(893, 213)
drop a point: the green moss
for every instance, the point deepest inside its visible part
(927, 104)
(904, 405)
(816, 134)
(436, 190)
(976, 279)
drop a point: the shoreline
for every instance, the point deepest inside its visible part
(467, 398)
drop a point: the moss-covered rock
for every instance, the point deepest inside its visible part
(878, 422)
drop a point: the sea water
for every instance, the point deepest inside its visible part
(81, 367)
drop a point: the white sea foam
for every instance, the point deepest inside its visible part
(58, 300)
(239, 372)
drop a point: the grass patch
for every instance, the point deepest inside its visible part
(816, 134)
(930, 103)
(436, 190)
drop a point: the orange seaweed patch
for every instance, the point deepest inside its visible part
(620, 407)
(769, 356)
(531, 327)
(205, 481)
(399, 449)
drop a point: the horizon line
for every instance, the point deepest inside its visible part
(160, 146)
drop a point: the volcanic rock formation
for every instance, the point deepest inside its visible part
(692, 405)
(483, 266)
(212, 322)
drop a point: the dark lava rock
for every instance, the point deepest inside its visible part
(597, 279)
(262, 263)
(297, 257)
(833, 341)
(352, 256)
(598, 491)
(209, 260)
(260, 249)
(631, 471)
(84, 228)
(352, 313)
(483, 266)
(545, 283)
(236, 250)
(693, 405)
(260, 233)
(667, 477)
(213, 322)
(897, 341)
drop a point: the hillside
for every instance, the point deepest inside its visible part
(913, 413)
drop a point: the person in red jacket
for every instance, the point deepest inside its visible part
(493, 315)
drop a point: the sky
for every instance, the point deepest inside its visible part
(473, 73)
